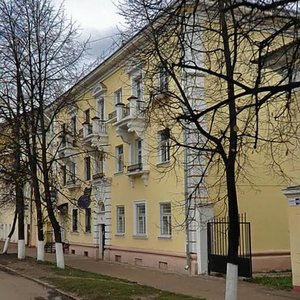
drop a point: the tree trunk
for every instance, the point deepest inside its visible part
(233, 235)
(39, 214)
(46, 184)
(21, 229)
(12, 230)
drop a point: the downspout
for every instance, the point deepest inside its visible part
(186, 204)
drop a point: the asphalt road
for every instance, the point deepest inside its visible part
(13, 287)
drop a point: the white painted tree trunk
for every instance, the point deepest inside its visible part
(231, 282)
(40, 251)
(60, 260)
(5, 248)
(21, 249)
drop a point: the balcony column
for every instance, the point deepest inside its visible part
(133, 106)
(95, 123)
(119, 110)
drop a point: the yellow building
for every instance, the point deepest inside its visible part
(123, 199)
(119, 200)
(123, 194)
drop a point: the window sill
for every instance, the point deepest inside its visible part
(118, 173)
(164, 237)
(140, 237)
(120, 234)
(163, 164)
(74, 232)
(87, 232)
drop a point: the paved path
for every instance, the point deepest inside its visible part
(201, 286)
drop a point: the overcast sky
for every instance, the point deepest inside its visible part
(98, 19)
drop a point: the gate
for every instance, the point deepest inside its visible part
(217, 239)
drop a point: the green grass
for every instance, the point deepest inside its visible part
(94, 286)
(278, 282)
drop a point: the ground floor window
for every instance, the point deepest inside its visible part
(87, 220)
(120, 219)
(75, 220)
(140, 218)
(165, 219)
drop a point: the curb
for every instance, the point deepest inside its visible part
(43, 283)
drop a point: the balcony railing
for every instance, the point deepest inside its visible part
(99, 126)
(98, 175)
(87, 129)
(135, 168)
(71, 181)
(133, 109)
(96, 127)
(112, 115)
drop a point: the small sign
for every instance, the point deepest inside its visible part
(294, 202)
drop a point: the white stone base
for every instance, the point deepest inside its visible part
(231, 282)
(21, 249)
(40, 251)
(60, 260)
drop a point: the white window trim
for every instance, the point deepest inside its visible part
(137, 235)
(159, 152)
(161, 235)
(73, 209)
(118, 91)
(117, 159)
(135, 76)
(98, 113)
(117, 217)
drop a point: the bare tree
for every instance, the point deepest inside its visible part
(41, 52)
(222, 73)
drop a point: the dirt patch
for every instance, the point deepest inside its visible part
(27, 267)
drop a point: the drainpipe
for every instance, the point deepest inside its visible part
(186, 204)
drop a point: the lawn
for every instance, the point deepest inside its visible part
(275, 281)
(86, 285)
(94, 286)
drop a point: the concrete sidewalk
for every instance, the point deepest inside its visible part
(209, 287)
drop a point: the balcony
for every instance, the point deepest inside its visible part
(137, 170)
(68, 147)
(73, 183)
(95, 134)
(98, 176)
(130, 119)
(112, 116)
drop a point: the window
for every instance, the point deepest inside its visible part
(120, 219)
(75, 220)
(138, 88)
(72, 179)
(164, 145)
(73, 126)
(87, 116)
(87, 167)
(140, 219)
(137, 91)
(100, 110)
(162, 79)
(119, 158)
(63, 136)
(118, 96)
(136, 156)
(63, 175)
(165, 219)
(99, 164)
(87, 122)
(87, 220)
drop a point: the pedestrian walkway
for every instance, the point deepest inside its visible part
(209, 287)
